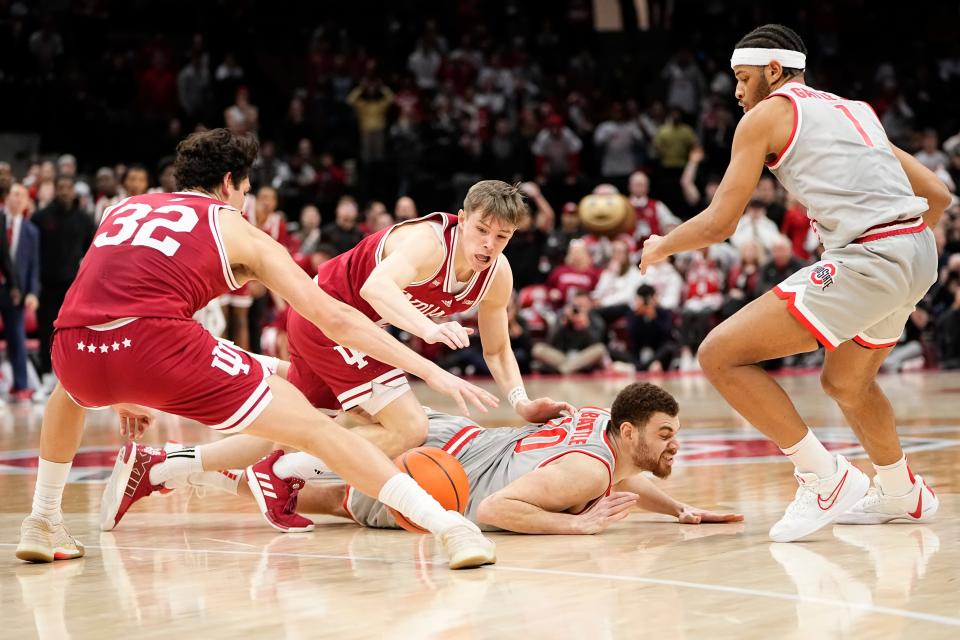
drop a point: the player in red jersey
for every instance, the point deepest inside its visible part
(125, 338)
(405, 275)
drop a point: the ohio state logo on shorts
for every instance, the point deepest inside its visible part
(822, 274)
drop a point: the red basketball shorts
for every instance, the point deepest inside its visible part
(332, 376)
(167, 364)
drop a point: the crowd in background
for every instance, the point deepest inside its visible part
(366, 121)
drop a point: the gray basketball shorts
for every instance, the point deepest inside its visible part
(864, 291)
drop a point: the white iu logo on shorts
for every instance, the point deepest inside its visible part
(229, 360)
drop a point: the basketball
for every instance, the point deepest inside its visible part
(440, 475)
(605, 214)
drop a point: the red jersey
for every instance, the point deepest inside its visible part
(436, 296)
(159, 255)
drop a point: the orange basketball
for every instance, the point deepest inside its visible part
(440, 475)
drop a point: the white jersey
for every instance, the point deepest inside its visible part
(839, 165)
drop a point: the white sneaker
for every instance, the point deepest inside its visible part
(465, 546)
(919, 505)
(43, 541)
(820, 501)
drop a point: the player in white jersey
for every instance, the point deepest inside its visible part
(871, 205)
(573, 475)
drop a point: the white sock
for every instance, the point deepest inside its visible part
(51, 479)
(179, 464)
(403, 494)
(226, 481)
(895, 479)
(810, 456)
(300, 465)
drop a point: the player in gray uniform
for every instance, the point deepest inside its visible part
(871, 205)
(577, 474)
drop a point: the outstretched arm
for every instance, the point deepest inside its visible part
(752, 142)
(925, 184)
(651, 498)
(497, 353)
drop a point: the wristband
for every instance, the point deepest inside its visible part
(517, 394)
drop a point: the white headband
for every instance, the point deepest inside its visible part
(761, 57)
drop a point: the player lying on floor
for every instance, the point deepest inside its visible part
(572, 475)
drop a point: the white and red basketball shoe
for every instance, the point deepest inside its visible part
(820, 501)
(276, 496)
(129, 482)
(920, 504)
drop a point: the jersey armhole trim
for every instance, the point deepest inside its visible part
(427, 218)
(213, 212)
(792, 140)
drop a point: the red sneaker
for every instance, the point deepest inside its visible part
(276, 496)
(129, 482)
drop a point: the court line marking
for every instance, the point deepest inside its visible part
(683, 584)
(240, 544)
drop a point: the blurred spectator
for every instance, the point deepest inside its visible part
(617, 140)
(157, 88)
(755, 226)
(308, 235)
(577, 342)
(577, 274)
(766, 193)
(405, 209)
(557, 152)
(797, 228)
(650, 332)
(674, 141)
(653, 217)
(703, 300)
(166, 177)
(504, 152)
(228, 76)
(269, 170)
(381, 221)
(685, 83)
(267, 218)
(46, 47)
(107, 192)
(67, 167)
(371, 100)
(948, 330)
(20, 264)
(930, 154)
(406, 145)
(330, 178)
(424, 63)
(136, 180)
(66, 232)
(781, 264)
(910, 345)
(194, 88)
(343, 234)
(558, 241)
(667, 282)
(370, 213)
(618, 283)
(525, 251)
(742, 280)
(242, 117)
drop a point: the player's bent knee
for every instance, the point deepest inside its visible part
(843, 389)
(711, 356)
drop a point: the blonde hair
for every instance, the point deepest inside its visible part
(498, 199)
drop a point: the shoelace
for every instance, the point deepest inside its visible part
(291, 506)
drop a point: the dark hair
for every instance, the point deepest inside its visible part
(203, 158)
(775, 36)
(646, 291)
(637, 402)
(135, 167)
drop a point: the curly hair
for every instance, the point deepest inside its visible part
(637, 402)
(774, 36)
(203, 158)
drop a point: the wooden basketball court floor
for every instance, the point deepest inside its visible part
(190, 567)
